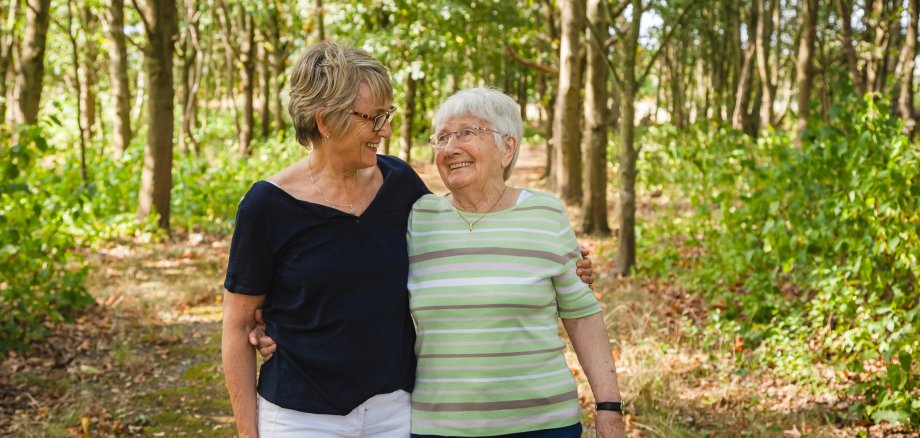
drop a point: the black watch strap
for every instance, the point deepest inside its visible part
(609, 406)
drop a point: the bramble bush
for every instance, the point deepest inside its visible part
(813, 250)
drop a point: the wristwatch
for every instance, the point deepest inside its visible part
(609, 406)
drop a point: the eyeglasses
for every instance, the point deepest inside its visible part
(465, 135)
(379, 120)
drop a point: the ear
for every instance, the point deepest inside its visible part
(320, 124)
(509, 147)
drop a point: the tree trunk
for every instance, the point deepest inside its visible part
(878, 26)
(675, 67)
(320, 24)
(156, 177)
(192, 64)
(78, 87)
(567, 130)
(595, 200)
(265, 89)
(548, 101)
(276, 58)
(906, 67)
(247, 80)
(409, 115)
(741, 117)
(88, 74)
(521, 94)
(7, 41)
(32, 61)
(846, 39)
(548, 93)
(118, 73)
(231, 53)
(805, 70)
(626, 242)
(762, 39)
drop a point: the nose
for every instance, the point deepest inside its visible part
(453, 142)
(387, 130)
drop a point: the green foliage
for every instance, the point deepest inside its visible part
(47, 210)
(40, 276)
(814, 249)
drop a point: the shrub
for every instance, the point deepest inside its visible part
(40, 276)
(814, 249)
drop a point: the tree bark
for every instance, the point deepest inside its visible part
(32, 61)
(277, 58)
(741, 115)
(846, 39)
(265, 89)
(156, 178)
(78, 86)
(88, 74)
(906, 67)
(247, 80)
(7, 41)
(118, 73)
(878, 26)
(567, 130)
(406, 130)
(595, 200)
(805, 69)
(762, 39)
(192, 64)
(548, 101)
(320, 21)
(626, 242)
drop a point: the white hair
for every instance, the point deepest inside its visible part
(493, 106)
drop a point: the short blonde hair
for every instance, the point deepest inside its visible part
(326, 79)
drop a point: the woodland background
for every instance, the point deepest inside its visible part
(746, 172)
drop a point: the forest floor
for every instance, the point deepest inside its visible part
(146, 360)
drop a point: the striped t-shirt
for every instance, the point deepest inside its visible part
(486, 302)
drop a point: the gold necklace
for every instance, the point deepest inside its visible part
(350, 206)
(469, 224)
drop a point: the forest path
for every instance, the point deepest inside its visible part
(146, 360)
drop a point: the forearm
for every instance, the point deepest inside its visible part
(592, 346)
(239, 363)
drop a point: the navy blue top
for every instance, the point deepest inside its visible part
(335, 292)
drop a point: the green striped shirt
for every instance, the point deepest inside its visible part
(486, 303)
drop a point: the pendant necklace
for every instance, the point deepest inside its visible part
(350, 206)
(469, 224)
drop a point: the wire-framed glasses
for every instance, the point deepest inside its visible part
(464, 135)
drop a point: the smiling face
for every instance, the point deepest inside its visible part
(360, 141)
(475, 164)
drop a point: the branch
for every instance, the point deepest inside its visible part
(143, 12)
(530, 64)
(666, 40)
(617, 11)
(602, 46)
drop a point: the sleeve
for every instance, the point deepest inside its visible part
(251, 265)
(419, 186)
(574, 299)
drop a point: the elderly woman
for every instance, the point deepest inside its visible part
(490, 269)
(321, 247)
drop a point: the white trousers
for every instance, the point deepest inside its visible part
(381, 416)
